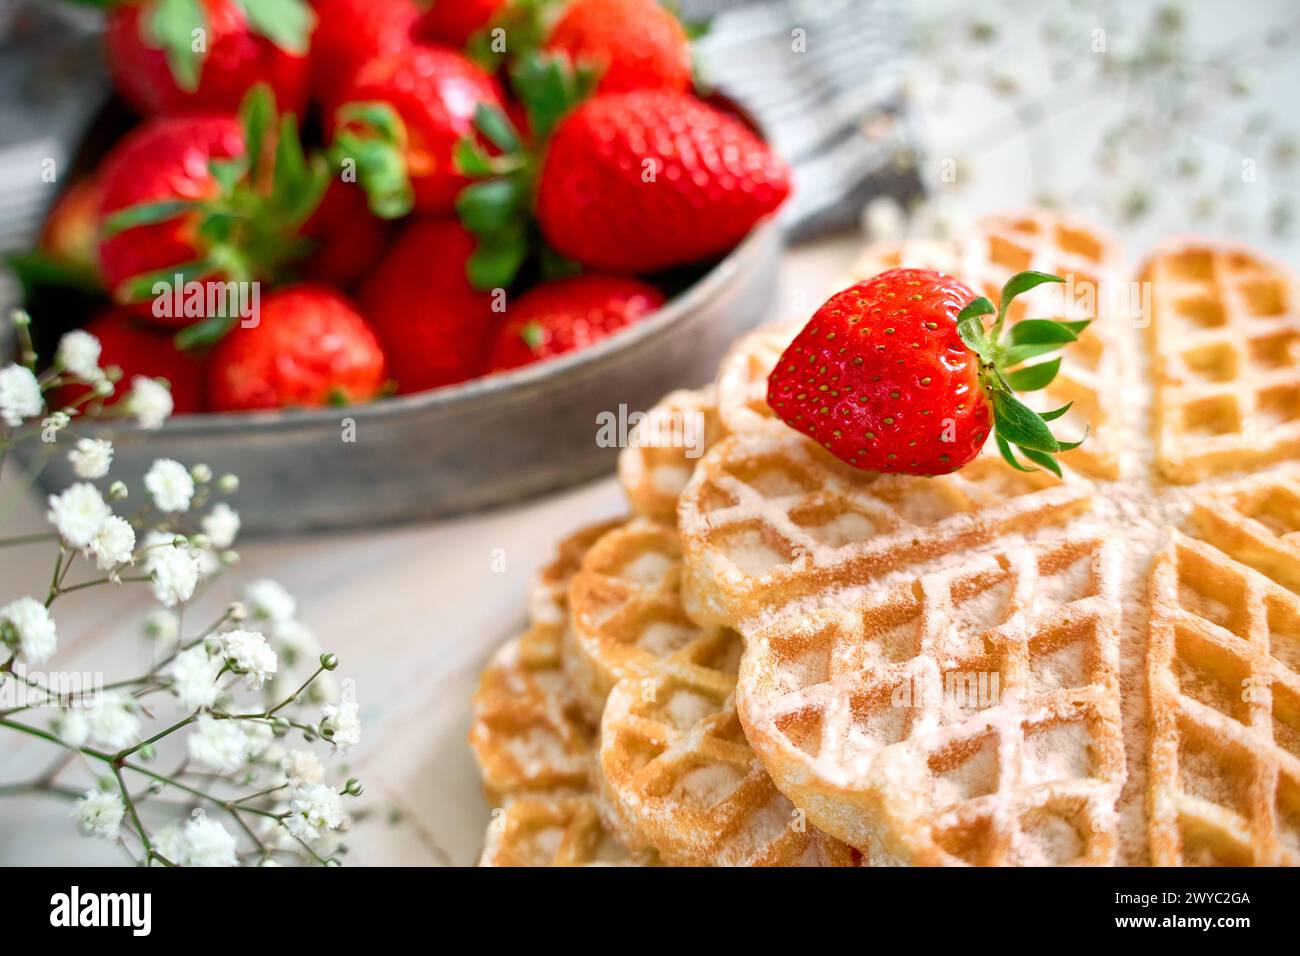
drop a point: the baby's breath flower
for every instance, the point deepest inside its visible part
(219, 744)
(26, 626)
(269, 601)
(91, 458)
(163, 626)
(170, 842)
(296, 642)
(114, 544)
(78, 513)
(228, 484)
(72, 727)
(194, 678)
(117, 491)
(113, 721)
(302, 768)
(248, 653)
(201, 474)
(20, 395)
(79, 353)
(99, 814)
(341, 724)
(221, 524)
(175, 570)
(170, 484)
(208, 843)
(150, 402)
(313, 809)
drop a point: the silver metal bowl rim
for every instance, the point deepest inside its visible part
(484, 393)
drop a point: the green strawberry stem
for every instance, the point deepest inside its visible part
(1003, 372)
(498, 208)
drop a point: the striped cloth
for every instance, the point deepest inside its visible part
(823, 78)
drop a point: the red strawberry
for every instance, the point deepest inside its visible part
(154, 64)
(140, 349)
(631, 44)
(435, 90)
(349, 237)
(436, 328)
(69, 234)
(569, 314)
(351, 33)
(309, 348)
(899, 374)
(183, 195)
(453, 21)
(164, 159)
(636, 182)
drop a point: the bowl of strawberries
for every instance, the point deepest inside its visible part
(396, 260)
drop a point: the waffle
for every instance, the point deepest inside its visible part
(674, 766)
(967, 716)
(742, 379)
(997, 248)
(551, 830)
(658, 461)
(1225, 712)
(627, 611)
(769, 517)
(1225, 333)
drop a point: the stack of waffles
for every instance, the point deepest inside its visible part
(781, 660)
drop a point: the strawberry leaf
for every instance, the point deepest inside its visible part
(1034, 377)
(204, 332)
(497, 259)
(548, 86)
(1005, 451)
(471, 159)
(974, 309)
(286, 23)
(174, 28)
(297, 185)
(1015, 354)
(1056, 413)
(372, 136)
(257, 116)
(1045, 331)
(1022, 282)
(145, 214)
(1043, 459)
(141, 288)
(493, 123)
(1021, 425)
(489, 207)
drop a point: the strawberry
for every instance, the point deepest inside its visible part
(455, 21)
(435, 327)
(310, 347)
(152, 55)
(631, 44)
(351, 33)
(204, 197)
(139, 349)
(348, 237)
(435, 90)
(68, 236)
(565, 315)
(899, 374)
(636, 182)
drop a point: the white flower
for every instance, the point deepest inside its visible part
(91, 458)
(296, 642)
(171, 843)
(163, 626)
(219, 744)
(312, 809)
(171, 485)
(58, 421)
(99, 814)
(20, 395)
(72, 727)
(221, 524)
(175, 571)
(113, 545)
(208, 843)
(343, 722)
(249, 654)
(194, 677)
(302, 768)
(26, 625)
(113, 722)
(79, 354)
(78, 514)
(150, 402)
(269, 601)
(258, 737)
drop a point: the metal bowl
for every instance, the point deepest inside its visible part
(482, 443)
